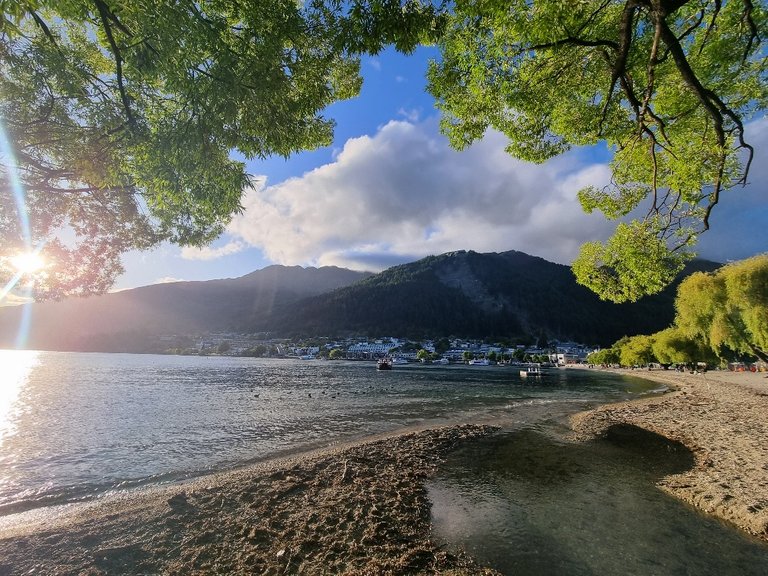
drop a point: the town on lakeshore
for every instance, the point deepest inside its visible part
(440, 351)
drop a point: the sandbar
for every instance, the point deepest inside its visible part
(722, 417)
(355, 509)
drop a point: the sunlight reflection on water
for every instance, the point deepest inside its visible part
(15, 368)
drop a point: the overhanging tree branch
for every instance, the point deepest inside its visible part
(107, 18)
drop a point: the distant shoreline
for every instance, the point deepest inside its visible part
(722, 417)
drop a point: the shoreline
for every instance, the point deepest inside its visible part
(722, 418)
(361, 506)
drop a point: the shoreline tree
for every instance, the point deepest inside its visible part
(719, 315)
(125, 124)
(727, 309)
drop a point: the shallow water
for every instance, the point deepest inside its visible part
(526, 502)
(73, 426)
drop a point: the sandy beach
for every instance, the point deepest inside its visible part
(722, 417)
(357, 509)
(362, 508)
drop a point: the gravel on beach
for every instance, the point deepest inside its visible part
(361, 509)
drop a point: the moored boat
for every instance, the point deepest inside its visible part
(384, 364)
(531, 370)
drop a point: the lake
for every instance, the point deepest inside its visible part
(77, 426)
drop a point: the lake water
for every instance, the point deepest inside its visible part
(75, 426)
(527, 502)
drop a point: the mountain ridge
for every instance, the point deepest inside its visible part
(463, 293)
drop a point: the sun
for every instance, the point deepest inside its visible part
(28, 262)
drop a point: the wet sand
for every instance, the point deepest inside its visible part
(357, 509)
(722, 417)
(362, 508)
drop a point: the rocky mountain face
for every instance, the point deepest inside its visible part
(509, 294)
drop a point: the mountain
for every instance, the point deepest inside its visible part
(128, 320)
(509, 294)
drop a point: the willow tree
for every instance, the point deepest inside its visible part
(125, 123)
(636, 350)
(727, 309)
(672, 346)
(666, 84)
(604, 356)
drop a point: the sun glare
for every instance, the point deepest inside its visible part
(28, 262)
(17, 366)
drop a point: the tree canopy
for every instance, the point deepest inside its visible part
(666, 84)
(125, 124)
(728, 310)
(719, 315)
(672, 346)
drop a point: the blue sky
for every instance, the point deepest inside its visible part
(390, 190)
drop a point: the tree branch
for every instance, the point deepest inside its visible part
(754, 34)
(619, 66)
(107, 17)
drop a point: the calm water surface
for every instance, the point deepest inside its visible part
(527, 502)
(73, 425)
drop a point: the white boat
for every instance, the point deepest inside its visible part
(480, 362)
(531, 370)
(442, 360)
(399, 360)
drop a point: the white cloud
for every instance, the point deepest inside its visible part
(11, 299)
(167, 280)
(404, 193)
(410, 115)
(210, 253)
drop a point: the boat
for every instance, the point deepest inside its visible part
(442, 360)
(384, 364)
(399, 360)
(480, 362)
(531, 370)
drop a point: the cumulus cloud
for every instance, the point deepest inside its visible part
(403, 194)
(211, 253)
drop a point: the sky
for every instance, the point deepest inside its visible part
(390, 190)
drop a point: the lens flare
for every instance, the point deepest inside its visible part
(28, 262)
